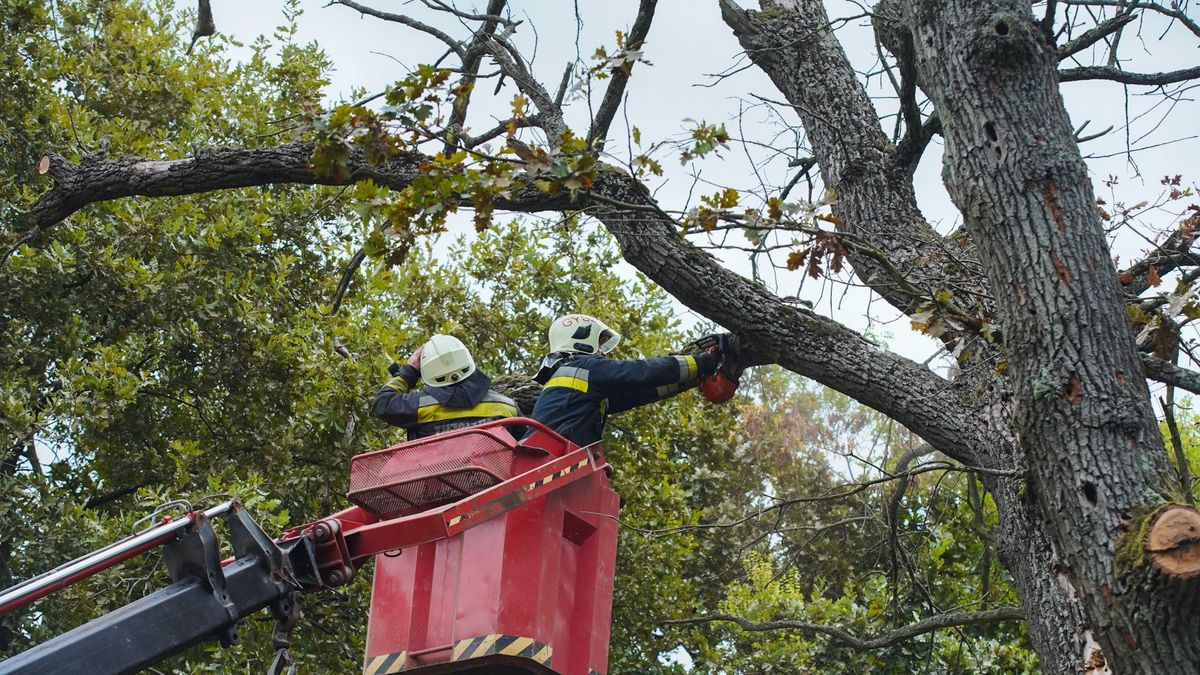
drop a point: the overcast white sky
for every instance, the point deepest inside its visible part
(688, 42)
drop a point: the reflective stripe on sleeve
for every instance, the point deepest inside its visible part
(572, 371)
(397, 383)
(687, 368)
(568, 382)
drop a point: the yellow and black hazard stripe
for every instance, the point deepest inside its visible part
(557, 474)
(507, 645)
(384, 664)
(527, 488)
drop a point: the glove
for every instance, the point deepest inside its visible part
(415, 359)
(707, 361)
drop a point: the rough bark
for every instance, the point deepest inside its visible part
(792, 43)
(1083, 417)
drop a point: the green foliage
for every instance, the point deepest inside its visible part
(706, 139)
(833, 562)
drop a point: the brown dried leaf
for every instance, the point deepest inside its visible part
(795, 259)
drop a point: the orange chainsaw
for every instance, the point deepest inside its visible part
(721, 385)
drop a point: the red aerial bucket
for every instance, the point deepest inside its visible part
(528, 590)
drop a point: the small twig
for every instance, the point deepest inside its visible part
(927, 625)
(490, 16)
(450, 42)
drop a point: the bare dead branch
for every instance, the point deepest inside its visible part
(454, 45)
(927, 625)
(500, 129)
(1080, 137)
(892, 511)
(1048, 17)
(836, 493)
(562, 84)
(1114, 74)
(620, 77)
(1173, 11)
(492, 16)
(474, 58)
(1094, 35)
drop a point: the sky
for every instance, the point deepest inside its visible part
(688, 46)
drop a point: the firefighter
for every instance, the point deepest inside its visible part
(456, 394)
(583, 386)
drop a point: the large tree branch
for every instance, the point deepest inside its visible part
(1094, 35)
(790, 335)
(922, 627)
(794, 45)
(794, 337)
(95, 180)
(1161, 370)
(620, 77)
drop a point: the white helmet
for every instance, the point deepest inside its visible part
(445, 360)
(582, 334)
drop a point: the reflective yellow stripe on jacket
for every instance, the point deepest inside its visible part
(490, 406)
(571, 378)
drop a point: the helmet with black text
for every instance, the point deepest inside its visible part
(445, 360)
(582, 334)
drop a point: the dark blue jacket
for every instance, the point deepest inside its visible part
(582, 390)
(433, 410)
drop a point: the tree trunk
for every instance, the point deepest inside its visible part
(1082, 410)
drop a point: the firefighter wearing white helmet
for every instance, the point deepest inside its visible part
(582, 334)
(456, 394)
(583, 386)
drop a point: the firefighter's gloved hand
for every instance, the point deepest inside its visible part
(415, 359)
(707, 361)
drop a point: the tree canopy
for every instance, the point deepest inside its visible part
(207, 262)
